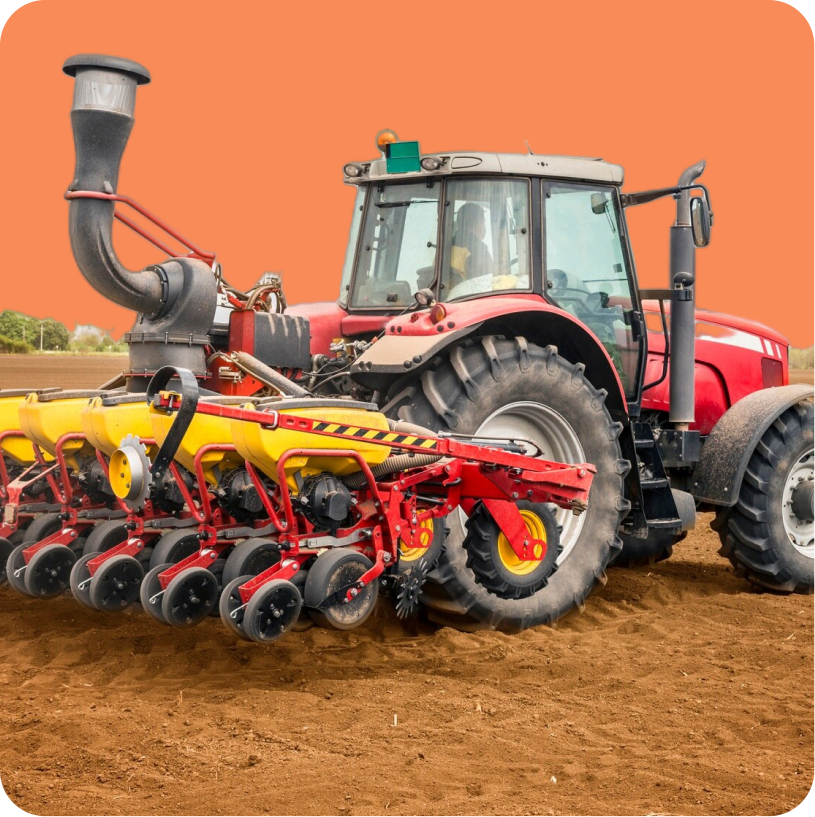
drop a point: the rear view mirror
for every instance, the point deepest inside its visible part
(701, 220)
(598, 203)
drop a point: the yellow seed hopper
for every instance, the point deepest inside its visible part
(46, 417)
(18, 448)
(264, 447)
(106, 421)
(204, 430)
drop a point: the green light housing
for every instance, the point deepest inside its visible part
(403, 157)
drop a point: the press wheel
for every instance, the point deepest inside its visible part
(232, 608)
(272, 611)
(190, 597)
(6, 548)
(15, 563)
(81, 580)
(330, 573)
(116, 583)
(49, 571)
(151, 595)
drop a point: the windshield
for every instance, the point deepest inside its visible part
(486, 237)
(397, 252)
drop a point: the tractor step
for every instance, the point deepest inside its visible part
(662, 524)
(643, 443)
(654, 483)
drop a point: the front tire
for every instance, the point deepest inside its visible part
(768, 534)
(497, 387)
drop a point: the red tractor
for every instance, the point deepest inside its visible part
(492, 297)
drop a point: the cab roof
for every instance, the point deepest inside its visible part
(518, 164)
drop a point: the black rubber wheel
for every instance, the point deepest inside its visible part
(6, 547)
(217, 570)
(762, 548)
(190, 597)
(174, 546)
(656, 548)
(49, 571)
(232, 608)
(151, 595)
(495, 564)
(80, 580)
(42, 527)
(17, 537)
(104, 536)
(250, 558)
(501, 387)
(332, 571)
(272, 611)
(117, 583)
(304, 621)
(14, 563)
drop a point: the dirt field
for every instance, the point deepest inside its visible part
(65, 371)
(801, 375)
(679, 690)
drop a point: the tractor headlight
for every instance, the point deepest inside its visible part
(432, 162)
(353, 170)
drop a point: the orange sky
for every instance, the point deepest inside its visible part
(254, 108)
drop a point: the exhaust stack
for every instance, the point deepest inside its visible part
(683, 307)
(176, 299)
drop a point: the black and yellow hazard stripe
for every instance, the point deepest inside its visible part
(338, 430)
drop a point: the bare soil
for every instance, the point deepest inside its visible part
(679, 690)
(64, 371)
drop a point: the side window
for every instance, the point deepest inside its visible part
(586, 269)
(486, 237)
(351, 247)
(398, 245)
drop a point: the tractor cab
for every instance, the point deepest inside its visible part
(469, 227)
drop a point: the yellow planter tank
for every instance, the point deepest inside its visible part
(18, 448)
(264, 447)
(46, 417)
(203, 430)
(106, 421)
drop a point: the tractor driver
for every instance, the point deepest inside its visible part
(470, 257)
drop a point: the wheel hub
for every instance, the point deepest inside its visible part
(558, 441)
(797, 505)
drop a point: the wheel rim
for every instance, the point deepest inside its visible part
(190, 597)
(520, 567)
(409, 554)
(557, 441)
(797, 517)
(116, 583)
(49, 571)
(272, 611)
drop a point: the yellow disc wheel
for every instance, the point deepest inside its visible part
(495, 564)
(509, 559)
(409, 554)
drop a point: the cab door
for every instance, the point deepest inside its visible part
(588, 270)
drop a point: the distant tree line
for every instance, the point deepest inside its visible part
(22, 334)
(802, 358)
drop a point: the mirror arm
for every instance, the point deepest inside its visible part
(646, 196)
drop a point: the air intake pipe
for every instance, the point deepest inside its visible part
(175, 299)
(683, 307)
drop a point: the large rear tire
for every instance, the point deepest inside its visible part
(511, 388)
(768, 534)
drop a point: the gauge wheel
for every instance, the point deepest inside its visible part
(272, 611)
(49, 571)
(117, 583)
(331, 572)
